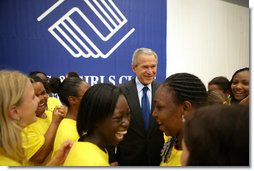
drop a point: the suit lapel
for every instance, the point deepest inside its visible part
(152, 120)
(133, 100)
(131, 94)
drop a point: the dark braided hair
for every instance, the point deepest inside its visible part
(187, 87)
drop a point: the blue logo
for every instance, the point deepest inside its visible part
(67, 31)
(95, 38)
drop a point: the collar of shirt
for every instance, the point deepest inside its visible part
(140, 86)
(140, 91)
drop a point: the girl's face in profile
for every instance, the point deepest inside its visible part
(115, 127)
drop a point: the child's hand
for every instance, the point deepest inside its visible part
(59, 113)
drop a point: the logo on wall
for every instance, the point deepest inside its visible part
(95, 38)
(99, 26)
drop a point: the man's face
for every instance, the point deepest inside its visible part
(146, 68)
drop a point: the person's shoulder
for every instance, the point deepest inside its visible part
(156, 83)
(127, 84)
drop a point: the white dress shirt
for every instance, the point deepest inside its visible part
(140, 91)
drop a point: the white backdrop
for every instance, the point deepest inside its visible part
(201, 71)
(207, 38)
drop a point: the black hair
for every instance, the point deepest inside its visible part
(34, 73)
(187, 87)
(239, 70)
(72, 74)
(218, 135)
(97, 104)
(222, 82)
(35, 79)
(233, 100)
(69, 87)
(54, 84)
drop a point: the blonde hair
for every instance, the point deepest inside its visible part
(139, 51)
(12, 87)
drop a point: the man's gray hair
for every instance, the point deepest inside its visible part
(139, 51)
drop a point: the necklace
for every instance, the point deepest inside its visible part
(167, 148)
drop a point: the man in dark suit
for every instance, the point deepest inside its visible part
(142, 144)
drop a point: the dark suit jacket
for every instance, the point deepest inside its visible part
(139, 147)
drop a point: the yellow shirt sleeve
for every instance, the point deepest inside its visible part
(32, 141)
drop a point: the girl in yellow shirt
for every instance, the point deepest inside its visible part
(18, 104)
(103, 119)
(70, 91)
(38, 138)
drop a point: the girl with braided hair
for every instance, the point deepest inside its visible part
(175, 99)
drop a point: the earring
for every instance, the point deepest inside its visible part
(183, 118)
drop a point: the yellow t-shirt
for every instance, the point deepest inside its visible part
(86, 154)
(7, 161)
(33, 136)
(52, 103)
(174, 159)
(166, 138)
(67, 130)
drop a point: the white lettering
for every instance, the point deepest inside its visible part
(112, 79)
(92, 79)
(87, 79)
(62, 77)
(124, 79)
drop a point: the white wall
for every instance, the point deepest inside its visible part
(207, 38)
